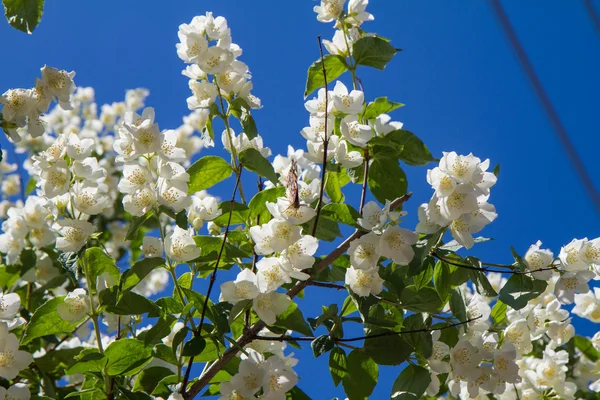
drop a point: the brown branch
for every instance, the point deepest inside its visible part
(213, 277)
(327, 285)
(501, 271)
(363, 195)
(325, 142)
(249, 335)
(354, 339)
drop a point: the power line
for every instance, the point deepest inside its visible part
(591, 10)
(558, 126)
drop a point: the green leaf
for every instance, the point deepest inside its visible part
(207, 172)
(239, 215)
(480, 280)
(498, 313)
(412, 150)
(127, 357)
(423, 278)
(88, 361)
(211, 245)
(98, 263)
(341, 213)
(327, 229)
(420, 341)
(387, 180)
(140, 269)
(381, 105)
(373, 52)
(338, 365)
(411, 383)
(241, 110)
(457, 305)
(334, 184)
(387, 350)
(362, 376)
(587, 348)
(258, 207)
(293, 319)
(441, 279)
(496, 170)
(46, 321)
(129, 395)
(9, 275)
(23, 15)
(255, 162)
(131, 303)
(136, 224)
(520, 289)
(322, 345)
(424, 300)
(194, 346)
(160, 329)
(334, 66)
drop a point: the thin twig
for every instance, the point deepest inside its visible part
(254, 259)
(325, 142)
(501, 271)
(354, 339)
(327, 285)
(213, 277)
(248, 336)
(363, 195)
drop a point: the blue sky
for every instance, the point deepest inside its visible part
(461, 84)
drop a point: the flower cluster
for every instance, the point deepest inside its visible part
(462, 188)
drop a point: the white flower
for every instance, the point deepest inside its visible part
(329, 10)
(463, 200)
(300, 254)
(230, 392)
(170, 150)
(464, 358)
(587, 305)
(180, 245)
(364, 282)
(373, 217)
(74, 234)
(215, 60)
(250, 375)
(89, 199)
(518, 334)
(465, 169)
(347, 103)
(36, 211)
(570, 256)
(75, 306)
(570, 283)
(88, 169)
(55, 180)
(356, 12)
(17, 104)
(340, 42)
(439, 352)
(78, 149)
(193, 44)
(245, 287)
(396, 243)
(537, 258)
(140, 201)
(60, 84)
(203, 209)
(275, 236)
(560, 332)
(426, 225)
(278, 378)
(356, 133)
(505, 366)
(441, 182)
(12, 360)
(590, 251)
(155, 282)
(10, 303)
(174, 194)
(18, 391)
(204, 94)
(12, 246)
(365, 251)
(271, 274)
(316, 106)
(283, 210)
(134, 177)
(384, 125)
(152, 246)
(269, 305)
(347, 159)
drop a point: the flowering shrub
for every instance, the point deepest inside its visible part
(114, 211)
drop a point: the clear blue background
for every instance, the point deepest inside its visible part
(461, 84)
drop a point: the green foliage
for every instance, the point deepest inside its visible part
(258, 207)
(441, 279)
(334, 66)
(362, 375)
(46, 321)
(207, 172)
(293, 319)
(23, 15)
(241, 110)
(255, 162)
(342, 213)
(520, 289)
(98, 263)
(381, 105)
(587, 348)
(386, 179)
(391, 349)
(139, 270)
(148, 379)
(338, 365)
(498, 313)
(373, 52)
(334, 184)
(322, 345)
(127, 357)
(411, 383)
